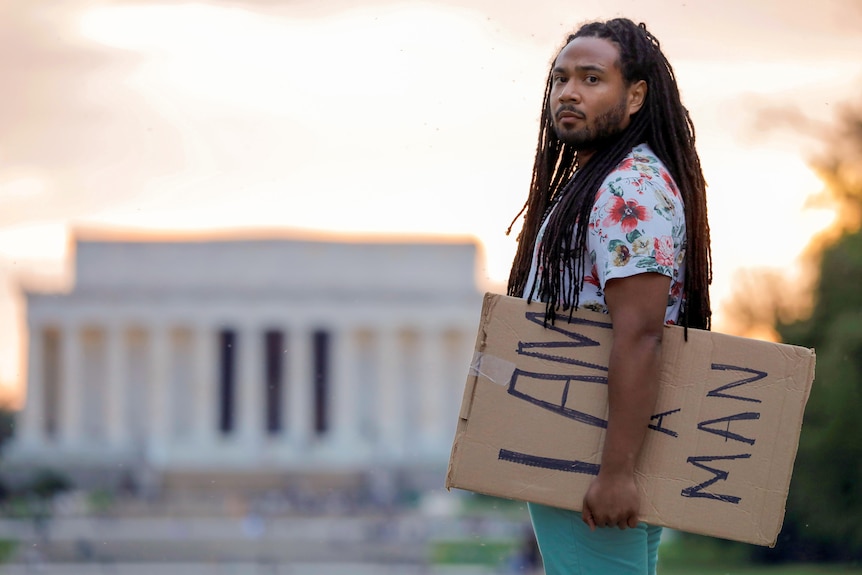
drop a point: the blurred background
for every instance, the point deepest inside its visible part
(243, 246)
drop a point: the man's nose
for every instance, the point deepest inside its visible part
(570, 93)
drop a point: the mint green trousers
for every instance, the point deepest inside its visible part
(569, 547)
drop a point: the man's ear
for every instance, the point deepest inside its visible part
(637, 96)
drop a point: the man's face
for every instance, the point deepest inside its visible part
(590, 100)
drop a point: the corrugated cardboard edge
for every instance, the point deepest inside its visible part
(810, 357)
(488, 304)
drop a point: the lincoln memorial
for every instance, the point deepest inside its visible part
(249, 356)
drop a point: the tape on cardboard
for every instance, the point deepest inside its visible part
(493, 368)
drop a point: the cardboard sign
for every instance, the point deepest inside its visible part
(719, 451)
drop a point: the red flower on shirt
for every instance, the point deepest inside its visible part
(671, 185)
(593, 278)
(626, 213)
(626, 164)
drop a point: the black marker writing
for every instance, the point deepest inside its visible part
(719, 391)
(718, 475)
(544, 349)
(726, 433)
(660, 417)
(568, 465)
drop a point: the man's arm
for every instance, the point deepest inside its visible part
(637, 307)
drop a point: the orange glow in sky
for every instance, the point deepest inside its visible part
(398, 117)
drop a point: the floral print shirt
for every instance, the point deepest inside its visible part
(637, 225)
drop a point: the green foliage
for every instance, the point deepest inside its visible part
(689, 550)
(838, 292)
(479, 504)
(825, 497)
(478, 552)
(7, 424)
(825, 501)
(100, 501)
(27, 506)
(6, 549)
(32, 500)
(47, 483)
(759, 570)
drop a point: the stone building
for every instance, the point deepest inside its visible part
(249, 357)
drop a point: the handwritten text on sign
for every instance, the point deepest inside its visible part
(592, 373)
(723, 436)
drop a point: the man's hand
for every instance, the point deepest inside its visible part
(612, 500)
(636, 305)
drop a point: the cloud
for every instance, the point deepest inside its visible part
(80, 121)
(69, 120)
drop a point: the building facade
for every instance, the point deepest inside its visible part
(250, 356)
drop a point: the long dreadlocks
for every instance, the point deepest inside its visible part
(665, 125)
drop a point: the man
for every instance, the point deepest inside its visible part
(616, 222)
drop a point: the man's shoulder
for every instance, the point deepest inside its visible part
(641, 160)
(641, 167)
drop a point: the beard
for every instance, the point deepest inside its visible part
(595, 134)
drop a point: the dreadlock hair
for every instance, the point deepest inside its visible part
(665, 125)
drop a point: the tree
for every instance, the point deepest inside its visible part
(7, 424)
(825, 501)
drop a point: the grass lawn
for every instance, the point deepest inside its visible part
(6, 549)
(696, 555)
(490, 553)
(752, 570)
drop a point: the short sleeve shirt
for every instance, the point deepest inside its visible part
(637, 225)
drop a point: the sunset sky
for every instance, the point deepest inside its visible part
(381, 117)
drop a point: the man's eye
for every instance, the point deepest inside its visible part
(559, 79)
(591, 79)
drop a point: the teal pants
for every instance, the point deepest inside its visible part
(569, 547)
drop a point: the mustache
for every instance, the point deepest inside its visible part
(568, 108)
